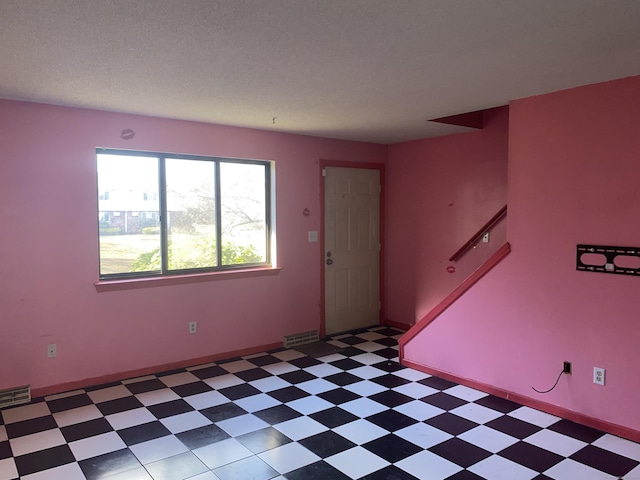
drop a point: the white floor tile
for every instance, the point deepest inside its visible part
(415, 390)
(465, 393)
(204, 476)
(176, 379)
(77, 415)
(535, 417)
(316, 386)
(223, 381)
(70, 471)
(357, 462)
(269, 384)
(288, 457)
(27, 412)
(96, 445)
(237, 366)
(411, 374)
(280, 368)
(309, 405)
(185, 421)
(323, 370)
(365, 388)
(36, 441)
(555, 442)
(130, 418)
(488, 438)
(476, 413)
(370, 346)
(204, 400)
(570, 469)
(242, 424)
(157, 449)
(618, 445)
(109, 393)
(129, 381)
(299, 428)
(258, 402)
(8, 470)
(287, 355)
(222, 453)
(437, 468)
(334, 357)
(499, 468)
(3, 433)
(368, 358)
(419, 410)
(370, 335)
(360, 431)
(367, 372)
(155, 397)
(423, 435)
(363, 407)
(633, 474)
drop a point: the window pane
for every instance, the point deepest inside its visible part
(128, 214)
(243, 202)
(191, 225)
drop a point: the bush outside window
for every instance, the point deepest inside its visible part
(163, 214)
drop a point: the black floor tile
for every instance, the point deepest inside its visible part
(351, 351)
(443, 401)
(82, 430)
(252, 374)
(317, 471)
(392, 448)
(338, 396)
(451, 423)
(513, 426)
(209, 372)
(530, 456)
(145, 386)
(239, 391)
(390, 398)
(603, 460)
(460, 452)
(68, 403)
(466, 475)
(44, 460)
(288, 394)
(351, 340)
(27, 427)
(277, 414)
(262, 440)
(390, 472)
(391, 420)
(437, 382)
(142, 433)
(390, 381)
(343, 379)
(346, 364)
(388, 366)
(574, 430)
(333, 417)
(168, 409)
(498, 404)
(388, 342)
(98, 468)
(189, 389)
(223, 412)
(263, 360)
(297, 376)
(119, 405)
(203, 436)
(5, 450)
(305, 362)
(387, 352)
(326, 444)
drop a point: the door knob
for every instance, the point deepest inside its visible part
(329, 261)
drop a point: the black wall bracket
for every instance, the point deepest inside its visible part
(608, 259)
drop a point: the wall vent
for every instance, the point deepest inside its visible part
(15, 396)
(300, 339)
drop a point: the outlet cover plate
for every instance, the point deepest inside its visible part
(598, 375)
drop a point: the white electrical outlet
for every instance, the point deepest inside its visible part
(192, 327)
(313, 236)
(52, 350)
(598, 375)
(485, 238)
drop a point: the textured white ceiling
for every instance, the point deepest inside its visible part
(370, 70)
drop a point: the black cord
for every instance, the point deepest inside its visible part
(554, 385)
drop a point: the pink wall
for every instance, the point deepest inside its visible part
(49, 249)
(574, 171)
(440, 192)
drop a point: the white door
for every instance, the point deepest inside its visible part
(351, 248)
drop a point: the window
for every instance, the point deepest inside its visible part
(199, 214)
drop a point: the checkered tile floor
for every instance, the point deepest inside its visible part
(282, 415)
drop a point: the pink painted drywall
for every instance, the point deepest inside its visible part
(49, 249)
(574, 170)
(440, 191)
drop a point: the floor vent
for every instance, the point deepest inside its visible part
(300, 339)
(15, 396)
